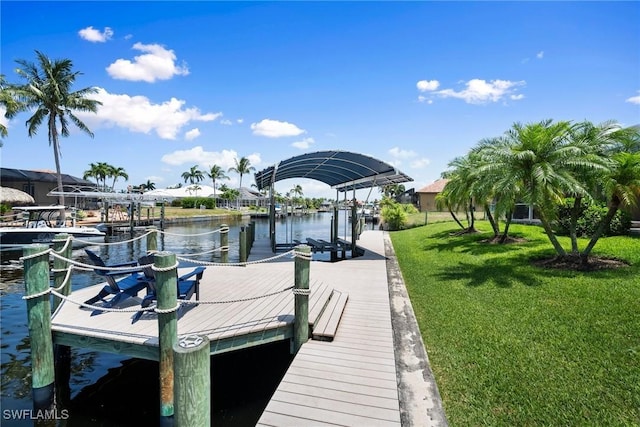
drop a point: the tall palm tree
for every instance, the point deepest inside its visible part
(48, 90)
(193, 175)
(243, 166)
(100, 171)
(148, 186)
(115, 173)
(216, 173)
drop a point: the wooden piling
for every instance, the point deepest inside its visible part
(36, 279)
(243, 244)
(61, 353)
(224, 243)
(192, 382)
(166, 288)
(301, 297)
(152, 239)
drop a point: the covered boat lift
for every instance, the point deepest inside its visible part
(342, 170)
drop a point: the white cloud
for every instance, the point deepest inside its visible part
(206, 159)
(240, 121)
(226, 122)
(139, 114)
(427, 85)
(634, 99)
(420, 163)
(422, 98)
(275, 129)
(3, 120)
(540, 54)
(304, 144)
(95, 36)
(480, 91)
(398, 153)
(157, 63)
(192, 134)
(516, 97)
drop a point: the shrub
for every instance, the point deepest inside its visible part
(590, 216)
(4, 208)
(394, 216)
(196, 202)
(409, 208)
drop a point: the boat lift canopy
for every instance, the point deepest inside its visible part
(342, 170)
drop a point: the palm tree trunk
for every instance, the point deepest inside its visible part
(506, 227)
(53, 135)
(552, 237)
(604, 223)
(494, 225)
(455, 218)
(573, 225)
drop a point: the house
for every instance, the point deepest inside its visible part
(38, 183)
(427, 195)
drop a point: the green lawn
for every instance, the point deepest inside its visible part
(515, 345)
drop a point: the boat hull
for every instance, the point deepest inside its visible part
(20, 237)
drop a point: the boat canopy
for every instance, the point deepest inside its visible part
(342, 170)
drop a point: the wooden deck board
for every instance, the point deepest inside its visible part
(351, 380)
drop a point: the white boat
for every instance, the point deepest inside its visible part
(40, 224)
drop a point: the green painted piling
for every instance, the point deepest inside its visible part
(243, 244)
(192, 382)
(61, 353)
(224, 243)
(152, 239)
(301, 297)
(166, 288)
(36, 279)
(354, 228)
(253, 233)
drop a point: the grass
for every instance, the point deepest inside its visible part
(513, 344)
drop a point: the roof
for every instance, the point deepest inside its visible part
(435, 187)
(342, 170)
(8, 175)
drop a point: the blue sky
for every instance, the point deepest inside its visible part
(414, 84)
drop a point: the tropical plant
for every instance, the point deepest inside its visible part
(216, 173)
(99, 171)
(193, 175)
(243, 167)
(48, 91)
(115, 173)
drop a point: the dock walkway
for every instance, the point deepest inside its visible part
(350, 381)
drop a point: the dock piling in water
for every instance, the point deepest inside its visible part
(152, 239)
(167, 288)
(62, 353)
(224, 243)
(36, 279)
(192, 381)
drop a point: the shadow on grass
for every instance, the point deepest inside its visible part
(490, 272)
(474, 244)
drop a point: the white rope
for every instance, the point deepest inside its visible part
(51, 290)
(234, 264)
(167, 310)
(66, 245)
(232, 301)
(301, 291)
(26, 257)
(189, 235)
(114, 243)
(131, 268)
(303, 255)
(169, 268)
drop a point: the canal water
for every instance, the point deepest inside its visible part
(112, 390)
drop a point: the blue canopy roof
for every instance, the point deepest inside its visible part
(342, 170)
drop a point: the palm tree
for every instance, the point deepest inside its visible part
(10, 102)
(48, 91)
(149, 185)
(296, 191)
(538, 161)
(216, 173)
(115, 173)
(622, 184)
(100, 171)
(243, 166)
(193, 175)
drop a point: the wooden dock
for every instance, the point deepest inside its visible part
(350, 381)
(254, 320)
